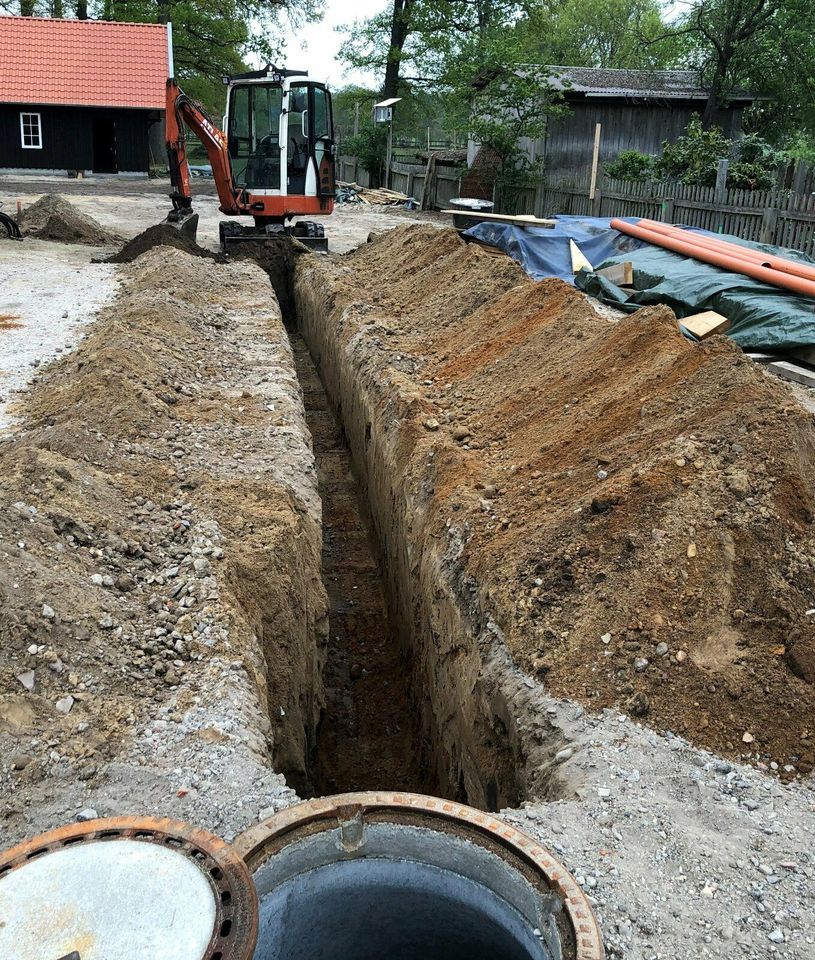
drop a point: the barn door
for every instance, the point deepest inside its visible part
(105, 158)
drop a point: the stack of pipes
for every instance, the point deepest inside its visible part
(778, 271)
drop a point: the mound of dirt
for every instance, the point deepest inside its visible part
(637, 509)
(160, 235)
(158, 525)
(54, 218)
(277, 256)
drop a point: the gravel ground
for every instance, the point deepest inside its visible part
(51, 290)
(683, 854)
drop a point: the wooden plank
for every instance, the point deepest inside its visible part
(525, 219)
(705, 324)
(620, 273)
(791, 371)
(595, 160)
(579, 261)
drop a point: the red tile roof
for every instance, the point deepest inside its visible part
(82, 62)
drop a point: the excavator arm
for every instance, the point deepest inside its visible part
(180, 110)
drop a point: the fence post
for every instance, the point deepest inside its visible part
(720, 193)
(799, 177)
(597, 199)
(668, 210)
(769, 223)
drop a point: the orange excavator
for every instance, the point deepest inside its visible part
(274, 162)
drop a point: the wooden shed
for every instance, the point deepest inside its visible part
(80, 96)
(638, 110)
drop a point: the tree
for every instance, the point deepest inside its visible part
(767, 45)
(623, 34)
(423, 37)
(212, 38)
(400, 30)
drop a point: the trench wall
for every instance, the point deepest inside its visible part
(486, 740)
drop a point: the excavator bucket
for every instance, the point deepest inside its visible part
(187, 226)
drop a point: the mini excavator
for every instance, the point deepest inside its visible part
(274, 162)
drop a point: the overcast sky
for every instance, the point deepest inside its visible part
(314, 48)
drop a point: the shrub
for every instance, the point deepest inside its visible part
(694, 157)
(370, 147)
(632, 165)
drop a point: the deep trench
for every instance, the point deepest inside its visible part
(378, 729)
(368, 734)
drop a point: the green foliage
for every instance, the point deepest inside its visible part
(632, 165)
(764, 46)
(622, 34)
(369, 146)
(694, 157)
(801, 146)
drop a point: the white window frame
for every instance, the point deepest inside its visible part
(27, 115)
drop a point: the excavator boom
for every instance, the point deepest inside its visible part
(180, 109)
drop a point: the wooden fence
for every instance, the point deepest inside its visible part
(409, 179)
(780, 217)
(783, 217)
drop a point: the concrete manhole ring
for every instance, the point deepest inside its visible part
(290, 846)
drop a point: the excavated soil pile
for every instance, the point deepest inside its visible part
(637, 510)
(53, 218)
(160, 235)
(157, 554)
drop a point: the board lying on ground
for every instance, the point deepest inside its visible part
(522, 220)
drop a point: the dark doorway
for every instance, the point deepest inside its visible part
(104, 146)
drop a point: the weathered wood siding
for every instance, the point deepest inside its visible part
(626, 125)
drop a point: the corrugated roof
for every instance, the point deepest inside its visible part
(636, 84)
(647, 84)
(82, 62)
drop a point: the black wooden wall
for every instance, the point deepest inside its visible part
(67, 138)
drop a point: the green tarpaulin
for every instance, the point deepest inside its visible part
(761, 316)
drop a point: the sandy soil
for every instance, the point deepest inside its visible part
(160, 600)
(468, 395)
(128, 207)
(639, 508)
(161, 616)
(49, 291)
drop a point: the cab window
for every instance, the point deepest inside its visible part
(254, 135)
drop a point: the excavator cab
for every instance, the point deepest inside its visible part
(274, 159)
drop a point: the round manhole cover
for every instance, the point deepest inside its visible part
(124, 889)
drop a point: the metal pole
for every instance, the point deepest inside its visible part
(170, 58)
(390, 154)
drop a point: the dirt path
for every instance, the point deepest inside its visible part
(368, 736)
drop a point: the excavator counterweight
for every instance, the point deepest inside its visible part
(275, 161)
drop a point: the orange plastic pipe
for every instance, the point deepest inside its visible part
(718, 259)
(743, 253)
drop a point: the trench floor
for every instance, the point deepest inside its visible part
(369, 736)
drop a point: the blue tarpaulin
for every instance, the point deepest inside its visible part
(544, 251)
(761, 315)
